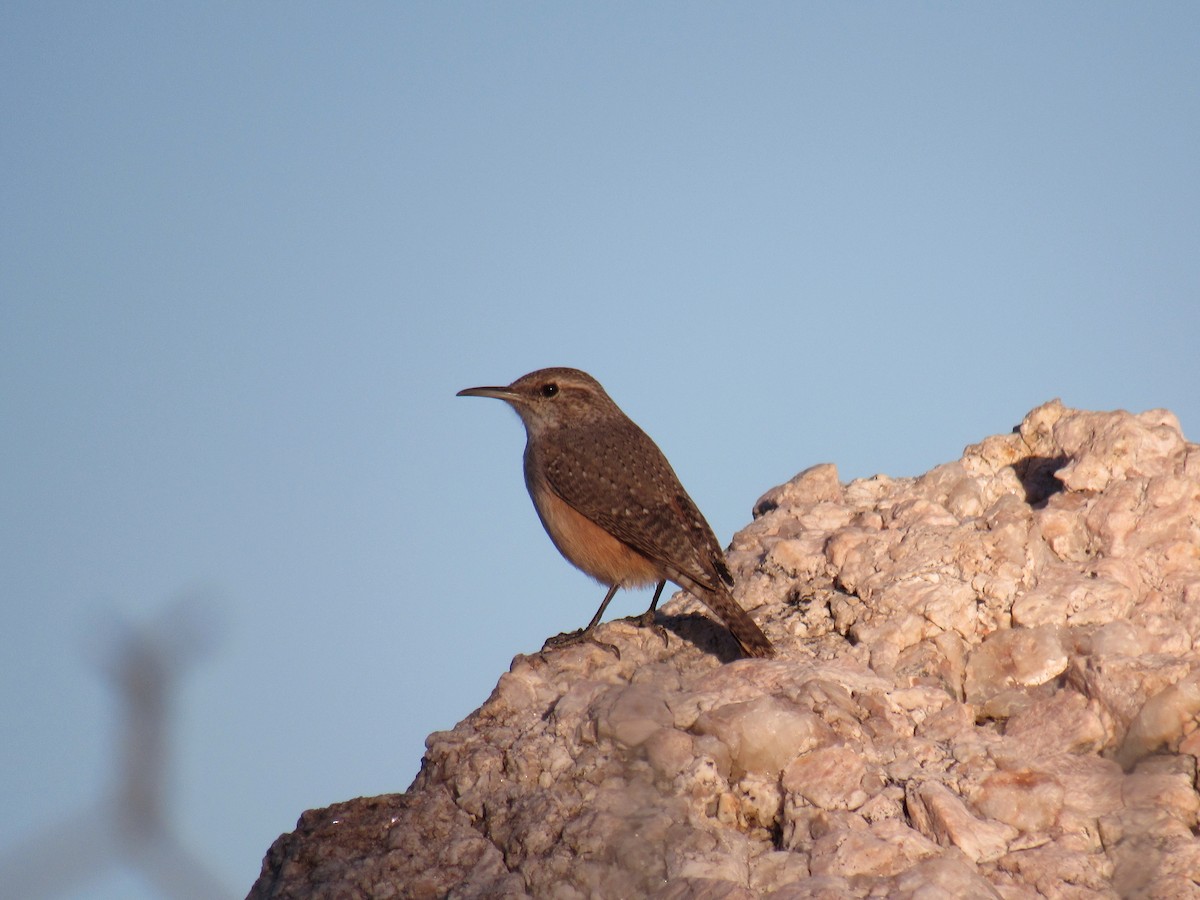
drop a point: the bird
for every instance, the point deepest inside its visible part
(612, 504)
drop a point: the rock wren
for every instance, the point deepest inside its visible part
(611, 502)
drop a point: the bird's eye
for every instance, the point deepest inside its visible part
(549, 389)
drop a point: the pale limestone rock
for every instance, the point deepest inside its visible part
(1151, 835)
(1092, 785)
(669, 752)
(941, 816)
(1122, 685)
(631, 715)
(950, 876)
(1060, 872)
(988, 685)
(1164, 720)
(1027, 800)
(814, 485)
(1062, 597)
(817, 887)
(762, 735)
(698, 888)
(880, 850)
(1118, 638)
(827, 778)
(777, 868)
(1062, 722)
(1017, 657)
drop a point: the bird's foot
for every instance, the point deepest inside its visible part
(647, 620)
(579, 636)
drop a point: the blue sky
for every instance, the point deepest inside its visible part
(249, 252)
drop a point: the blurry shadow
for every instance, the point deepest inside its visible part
(131, 826)
(704, 633)
(1037, 474)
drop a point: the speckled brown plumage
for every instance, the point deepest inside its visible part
(611, 502)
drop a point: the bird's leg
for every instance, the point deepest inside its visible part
(586, 634)
(603, 606)
(657, 593)
(647, 618)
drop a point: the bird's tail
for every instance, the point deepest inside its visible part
(743, 628)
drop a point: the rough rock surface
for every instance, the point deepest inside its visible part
(988, 686)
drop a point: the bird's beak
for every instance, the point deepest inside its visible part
(500, 393)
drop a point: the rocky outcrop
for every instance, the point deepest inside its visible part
(988, 685)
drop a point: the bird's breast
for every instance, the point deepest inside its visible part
(588, 546)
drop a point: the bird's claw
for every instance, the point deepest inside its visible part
(568, 638)
(647, 620)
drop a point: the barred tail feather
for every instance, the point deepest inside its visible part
(743, 628)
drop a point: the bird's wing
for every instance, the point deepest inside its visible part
(624, 484)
